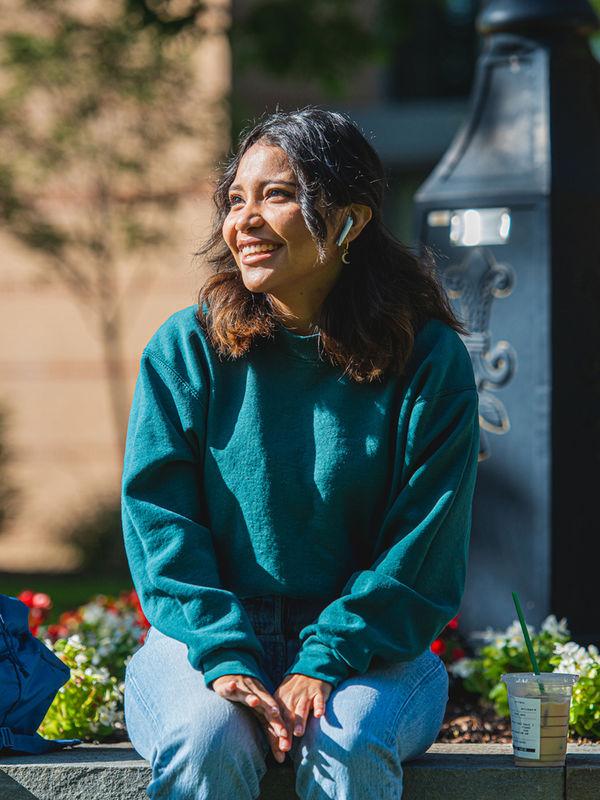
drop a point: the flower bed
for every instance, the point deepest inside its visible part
(478, 708)
(98, 639)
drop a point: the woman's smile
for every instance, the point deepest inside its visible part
(257, 257)
(257, 252)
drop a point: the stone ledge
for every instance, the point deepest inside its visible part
(445, 772)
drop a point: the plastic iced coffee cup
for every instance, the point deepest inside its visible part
(539, 716)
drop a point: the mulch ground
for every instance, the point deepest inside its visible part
(468, 720)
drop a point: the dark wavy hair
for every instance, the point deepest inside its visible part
(369, 319)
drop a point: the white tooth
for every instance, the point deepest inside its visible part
(258, 248)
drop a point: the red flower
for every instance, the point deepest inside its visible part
(141, 619)
(438, 647)
(41, 600)
(70, 616)
(38, 604)
(132, 599)
(58, 631)
(457, 653)
(26, 597)
(453, 624)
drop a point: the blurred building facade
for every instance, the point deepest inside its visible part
(53, 376)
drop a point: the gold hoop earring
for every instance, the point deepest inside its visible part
(345, 254)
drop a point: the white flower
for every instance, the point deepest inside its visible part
(81, 659)
(514, 634)
(576, 659)
(92, 612)
(554, 627)
(462, 668)
(488, 635)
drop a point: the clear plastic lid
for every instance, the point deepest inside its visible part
(547, 678)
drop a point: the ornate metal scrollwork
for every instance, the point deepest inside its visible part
(474, 284)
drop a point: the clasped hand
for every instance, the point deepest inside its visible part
(282, 713)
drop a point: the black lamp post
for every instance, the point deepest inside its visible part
(512, 213)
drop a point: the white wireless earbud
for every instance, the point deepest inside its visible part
(344, 232)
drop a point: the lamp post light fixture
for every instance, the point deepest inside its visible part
(512, 216)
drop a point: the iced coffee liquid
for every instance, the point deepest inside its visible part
(540, 730)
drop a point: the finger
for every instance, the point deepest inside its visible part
(302, 711)
(235, 689)
(244, 691)
(319, 705)
(271, 712)
(275, 745)
(278, 754)
(268, 726)
(289, 719)
(225, 688)
(265, 707)
(278, 745)
(275, 728)
(265, 715)
(270, 705)
(251, 692)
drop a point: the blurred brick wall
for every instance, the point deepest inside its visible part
(52, 376)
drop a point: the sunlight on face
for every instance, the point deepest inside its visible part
(267, 235)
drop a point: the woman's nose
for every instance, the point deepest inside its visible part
(248, 218)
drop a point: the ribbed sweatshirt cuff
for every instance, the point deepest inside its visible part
(226, 661)
(317, 660)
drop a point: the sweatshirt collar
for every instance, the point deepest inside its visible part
(304, 346)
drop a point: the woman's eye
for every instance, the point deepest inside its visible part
(235, 199)
(280, 191)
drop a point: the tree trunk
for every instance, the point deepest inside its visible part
(111, 331)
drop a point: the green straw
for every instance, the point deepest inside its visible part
(534, 663)
(532, 657)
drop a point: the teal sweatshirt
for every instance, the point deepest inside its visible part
(276, 474)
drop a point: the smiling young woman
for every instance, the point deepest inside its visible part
(293, 181)
(297, 486)
(268, 237)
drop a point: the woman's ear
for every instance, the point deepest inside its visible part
(360, 215)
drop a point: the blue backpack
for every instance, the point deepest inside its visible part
(30, 676)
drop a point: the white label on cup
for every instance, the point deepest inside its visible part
(525, 724)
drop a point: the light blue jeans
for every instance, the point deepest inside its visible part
(202, 746)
